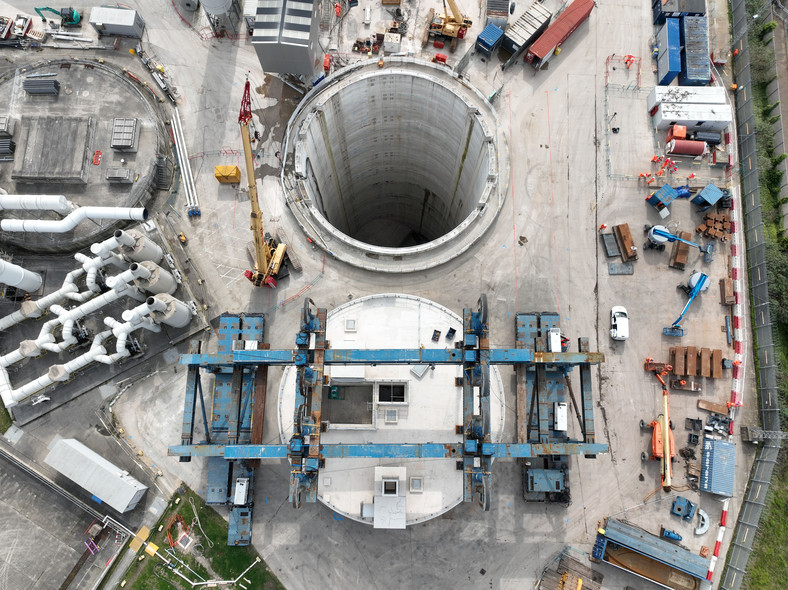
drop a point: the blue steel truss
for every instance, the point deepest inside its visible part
(306, 453)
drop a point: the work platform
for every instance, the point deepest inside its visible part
(542, 360)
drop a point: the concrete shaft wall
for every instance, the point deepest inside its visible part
(395, 159)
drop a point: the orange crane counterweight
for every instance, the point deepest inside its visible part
(269, 255)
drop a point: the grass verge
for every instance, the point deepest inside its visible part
(217, 561)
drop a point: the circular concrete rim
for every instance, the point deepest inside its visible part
(415, 258)
(142, 191)
(497, 392)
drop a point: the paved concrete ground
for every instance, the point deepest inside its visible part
(35, 521)
(542, 253)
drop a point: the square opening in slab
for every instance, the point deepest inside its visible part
(390, 487)
(391, 393)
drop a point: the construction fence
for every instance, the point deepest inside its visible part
(757, 493)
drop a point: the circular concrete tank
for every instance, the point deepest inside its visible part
(397, 168)
(356, 409)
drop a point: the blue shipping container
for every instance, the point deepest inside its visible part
(717, 467)
(669, 43)
(489, 39)
(695, 63)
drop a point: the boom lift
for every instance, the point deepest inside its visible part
(269, 255)
(659, 234)
(69, 17)
(697, 283)
(454, 25)
(662, 445)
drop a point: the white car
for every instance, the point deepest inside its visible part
(619, 323)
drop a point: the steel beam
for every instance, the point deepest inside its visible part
(392, 356)
(395, 450)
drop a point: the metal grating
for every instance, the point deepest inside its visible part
(124, 134)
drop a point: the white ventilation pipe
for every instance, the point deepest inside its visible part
(70, 222)
(58, 373)
(21, 278)
(58, 203)
(92, 266)
(34, 309)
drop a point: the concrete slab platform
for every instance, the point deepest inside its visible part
(54, 150)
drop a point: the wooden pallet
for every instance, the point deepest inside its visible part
(726, 292)
(626, 244)
(712, 407)
(680, 251)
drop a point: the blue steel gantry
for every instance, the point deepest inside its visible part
(240, 368)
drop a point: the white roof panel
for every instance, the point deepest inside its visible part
(94, 473)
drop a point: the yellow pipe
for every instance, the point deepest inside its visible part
(666, 467)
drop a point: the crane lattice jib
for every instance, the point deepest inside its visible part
(246, 106)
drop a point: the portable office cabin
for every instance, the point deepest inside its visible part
(669, 43)
(107, 482)
(497, 13)
(676, 8)
(708, 95)
(695, 117)
(549, 43)
(121, 22)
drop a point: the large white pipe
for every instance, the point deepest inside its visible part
(34, 309)
(57, 203)
(70, 222)
(21, 278)
(183, 159)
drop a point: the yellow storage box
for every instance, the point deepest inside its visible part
(228, 174)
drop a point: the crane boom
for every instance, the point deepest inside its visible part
(268, 254)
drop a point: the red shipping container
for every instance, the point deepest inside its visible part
(441, 58)
(438, 44)
(559, 30)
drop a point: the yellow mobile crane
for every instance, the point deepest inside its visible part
(454, 26)
(269, 255)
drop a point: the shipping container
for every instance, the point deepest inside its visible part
(525, 30)
(120, 22)
(497, 13)
(549, 43)
(696, 117)
(107, 482)
(489, 40)
(676, 8)
(686, 95)
(669, 43)
(710, 137)
(717, 467)
(686, 147)
(695, 61)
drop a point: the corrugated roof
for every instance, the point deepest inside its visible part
(527, 26)
(94, 473)
(695, 59)
(562, 27)
(283, 21)
(112, 16)
(717, 467)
